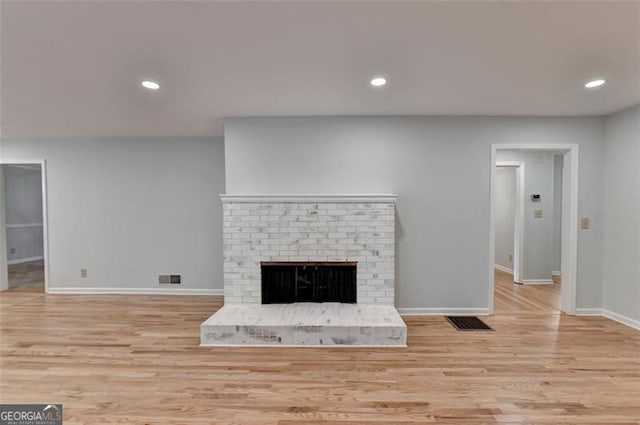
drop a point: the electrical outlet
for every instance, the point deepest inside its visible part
(537, 213)
(584, 223)
(510, 257)
(83, 273)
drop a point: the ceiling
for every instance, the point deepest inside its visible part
(73, 69)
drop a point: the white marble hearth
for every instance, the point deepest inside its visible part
(305, 324)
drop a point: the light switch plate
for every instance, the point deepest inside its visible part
(537, 214)
(584, 223)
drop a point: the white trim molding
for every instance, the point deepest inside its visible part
(443, 311)
(588, 312)
(608, 314)
(503, 269)
(354, 197)
(133, 291)
(537, 281)
(633, 323)
(556, 273)
(24, 260)
(21, 226)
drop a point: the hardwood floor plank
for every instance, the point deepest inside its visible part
(513, 298)
(135, 360)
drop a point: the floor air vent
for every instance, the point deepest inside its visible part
(468, 323)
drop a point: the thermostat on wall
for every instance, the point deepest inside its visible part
(535, 197)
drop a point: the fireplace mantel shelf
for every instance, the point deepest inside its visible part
(335, 198)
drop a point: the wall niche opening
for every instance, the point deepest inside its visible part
(290, 282)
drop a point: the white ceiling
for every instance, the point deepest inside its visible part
(73, 69)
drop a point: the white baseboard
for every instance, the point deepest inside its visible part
(503, 269)
(603, 312)
(431, 311)
(135, 291)
(635, 324)
(588, 312)
(537, 281)
(24, 260)
(556, 273)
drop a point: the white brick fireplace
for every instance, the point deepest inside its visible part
(309, 228)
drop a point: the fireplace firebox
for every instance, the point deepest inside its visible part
(289, 282)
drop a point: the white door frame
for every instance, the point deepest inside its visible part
(569, 244)
(45, 216)
(518, 228)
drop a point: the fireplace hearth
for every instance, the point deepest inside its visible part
(289, 282)
(307, 270)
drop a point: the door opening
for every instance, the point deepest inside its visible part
(509, 206)
(543, 216)
(23, 226)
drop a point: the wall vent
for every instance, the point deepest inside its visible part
(170, 279)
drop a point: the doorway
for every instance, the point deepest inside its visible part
(509, 209)
(530, 246)
(23, 226)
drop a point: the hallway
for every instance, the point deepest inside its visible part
(27, 276)
(510, 298)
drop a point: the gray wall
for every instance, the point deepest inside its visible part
(538, 232)
(622, 213)
(505, 204)
(128, 210)
(439, 167)
(23, 206)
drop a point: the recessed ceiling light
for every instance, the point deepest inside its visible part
(378, 82)
(595, 83)
(151, 85)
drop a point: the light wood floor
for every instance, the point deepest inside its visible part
(135, 360)
(525, 299)
(27, 276)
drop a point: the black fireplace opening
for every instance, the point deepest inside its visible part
(290, 282)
